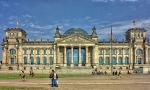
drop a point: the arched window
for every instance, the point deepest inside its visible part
(12, 60)
(31, 60)
(51, 60)
(44, 60)
(101, 60)
(25, 60)
(107, 61)
(139, 51)
(113, 60)
(126, 60)
(12, 51)
(139, 60)
(120, 60)
(38, 60)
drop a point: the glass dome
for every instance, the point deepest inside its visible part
(75, 31)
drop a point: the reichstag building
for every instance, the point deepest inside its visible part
(76, 48)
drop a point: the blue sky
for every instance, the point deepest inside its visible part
(39, 18)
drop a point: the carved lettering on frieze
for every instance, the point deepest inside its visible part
(76, 39)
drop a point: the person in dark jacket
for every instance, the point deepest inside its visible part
(54, 79)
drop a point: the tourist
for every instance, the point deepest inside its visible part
(119, 74)
(54, 79)
(31, 72)
(22, 75)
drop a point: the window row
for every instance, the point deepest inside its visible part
(38, 61)
(114, 60)
(114, 51)
(39, 51)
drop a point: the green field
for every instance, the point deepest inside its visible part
(20, 88)
(9, 76)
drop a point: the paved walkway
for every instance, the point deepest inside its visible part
(86, 83)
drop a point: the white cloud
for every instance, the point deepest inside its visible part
(114, 0)
(4, 4)
(103, 0)
(41, 27)
(129, 0)
(26, 16)
(119, 28)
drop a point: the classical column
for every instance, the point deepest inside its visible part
(41, 56)
(80, 62)
(28, 56)
(72, 64)
(34, 55)
(117, 55)
(147, 58)
(65, 60)
(93, 56)
(123, 59)
(58, 59)
(55, 55)
(47, 57)
(87, 61)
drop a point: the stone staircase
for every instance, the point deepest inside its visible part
(74, 70)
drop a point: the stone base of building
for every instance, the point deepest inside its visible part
(101, 68)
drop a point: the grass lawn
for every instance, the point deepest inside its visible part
(21, 88)
(9, 76)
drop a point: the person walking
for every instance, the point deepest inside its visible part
(54, 79)
(22, 75)
(31, 72)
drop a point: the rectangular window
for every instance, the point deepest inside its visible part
(31, 52)
(51, 51)
(120, 51)
(25, 51)
(51, 60)
(127, 51)
(113, 51)
(38, 52)
(44, 52)
(107, 51)
(101, 51)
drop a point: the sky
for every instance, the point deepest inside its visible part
(39, 18)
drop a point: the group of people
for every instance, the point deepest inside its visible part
(98, 72)
(53, 76)
(116, 74)
(22, 74)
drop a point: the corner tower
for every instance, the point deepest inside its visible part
(14, 38)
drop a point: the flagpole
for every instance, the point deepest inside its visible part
(111, 50)
(17, 23)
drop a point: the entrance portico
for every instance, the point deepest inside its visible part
(74, 55)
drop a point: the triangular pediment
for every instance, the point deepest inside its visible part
(76, 39)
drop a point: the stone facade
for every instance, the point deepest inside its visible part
(76, 48)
